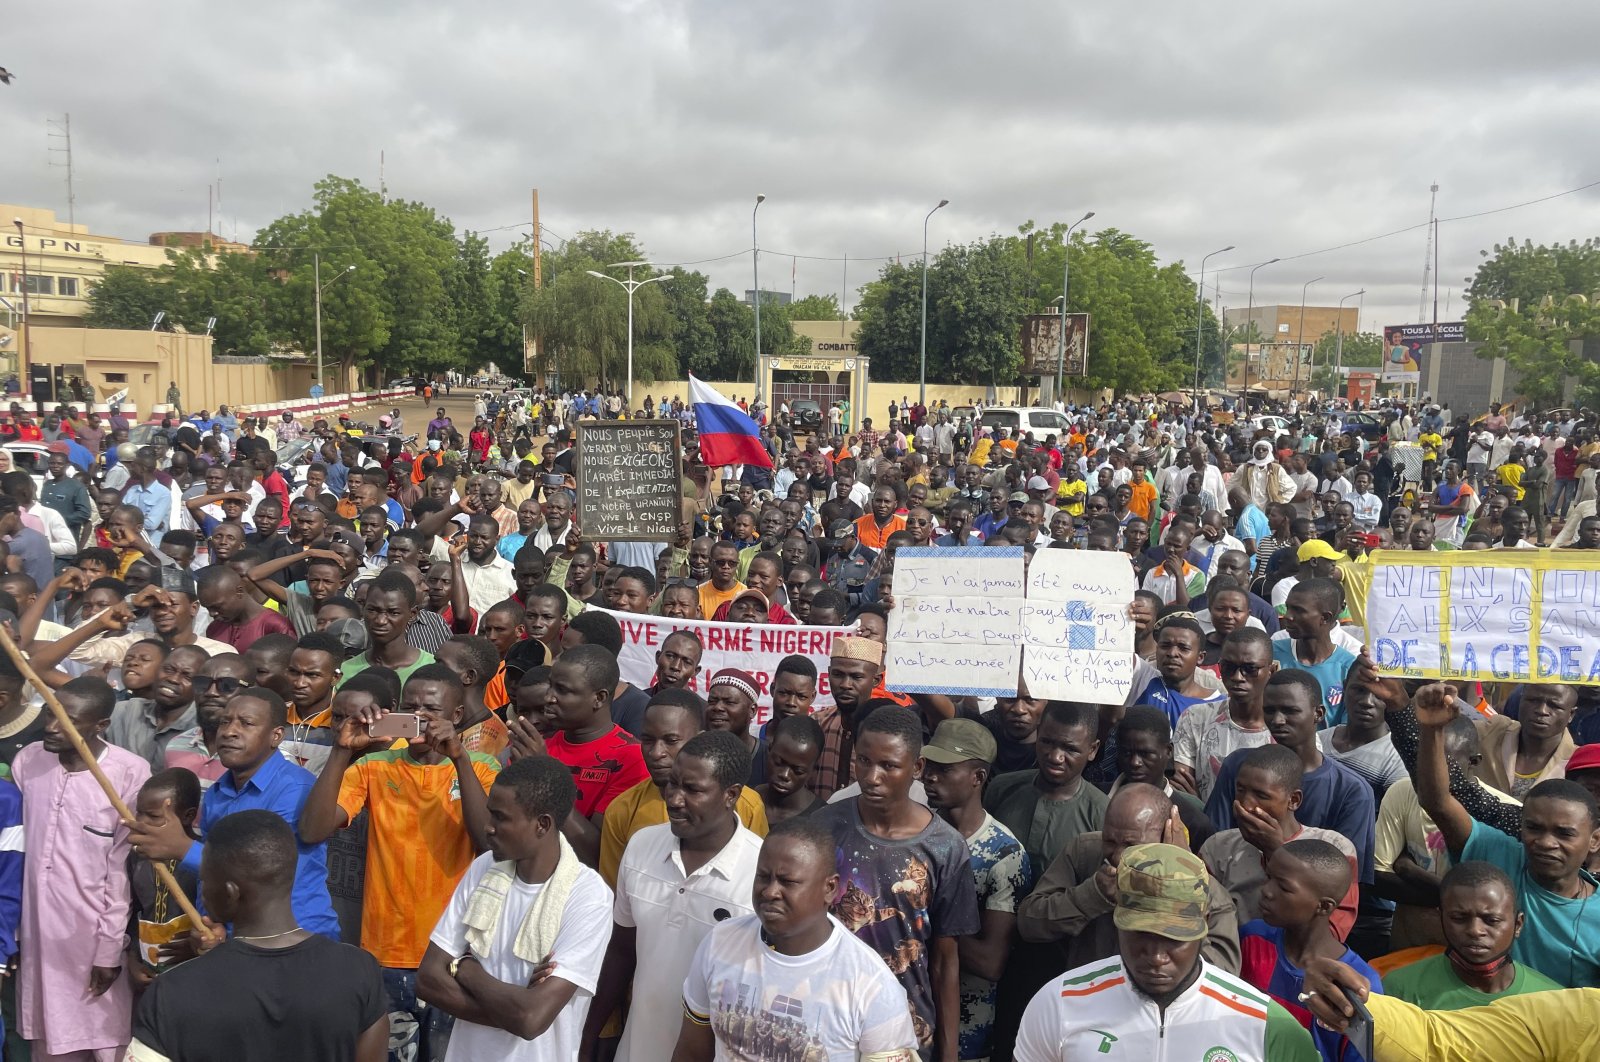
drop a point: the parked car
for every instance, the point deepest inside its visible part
(1367, 425)
(806, 414)
(1039, 420)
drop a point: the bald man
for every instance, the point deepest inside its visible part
(1073, 902)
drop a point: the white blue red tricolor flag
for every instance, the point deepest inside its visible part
(727, 434)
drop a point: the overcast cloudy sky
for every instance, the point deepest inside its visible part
(1281, 129)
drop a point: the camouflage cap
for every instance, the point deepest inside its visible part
(1162, 889)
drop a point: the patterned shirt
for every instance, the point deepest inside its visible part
(1004, 876)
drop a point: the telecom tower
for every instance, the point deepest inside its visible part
(62, 131)
(1427, 255)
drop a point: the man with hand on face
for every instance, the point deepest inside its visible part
(72, 1000)
(428, 819)
(906, 887)
(1161, 917)
(257, 777)
(1333, 797)
(1073, 901)
(671, 719)
(956, 765)
(515, 958)
(791, 948)
(675, 882)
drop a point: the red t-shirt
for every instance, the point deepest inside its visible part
(242, 636)
(275, 487)
(603, 769)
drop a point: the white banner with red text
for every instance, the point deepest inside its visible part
(754, 647)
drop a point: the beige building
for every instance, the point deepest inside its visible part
(1287, 337)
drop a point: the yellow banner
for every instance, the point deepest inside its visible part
(1486, 615)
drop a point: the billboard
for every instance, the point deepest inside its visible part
(1041, 344)
(1402, 348)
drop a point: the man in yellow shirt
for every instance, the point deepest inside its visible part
(724, 584)
(1558, 1026)
(1072, 490)
(672, 718)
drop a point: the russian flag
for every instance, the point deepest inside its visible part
(727, 434)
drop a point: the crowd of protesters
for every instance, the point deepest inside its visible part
(362, 691)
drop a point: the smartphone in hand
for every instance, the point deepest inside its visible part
(397, 725)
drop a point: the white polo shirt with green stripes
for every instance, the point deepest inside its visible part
(1095, 1012)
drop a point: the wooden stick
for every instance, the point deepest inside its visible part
(88, 758)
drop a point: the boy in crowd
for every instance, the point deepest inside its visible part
(1306, 879)
(793, 746)
(957, 762)
(905, 883)
(1267, 795)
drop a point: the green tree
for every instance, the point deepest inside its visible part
(127, 297)
(233, 289)
(691, 333)
(1535, 306)
(582, 321)
(814, 308)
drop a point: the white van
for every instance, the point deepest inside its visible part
(1039, 420)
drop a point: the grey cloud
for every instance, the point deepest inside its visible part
(1278, 129)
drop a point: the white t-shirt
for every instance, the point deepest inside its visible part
(579, 949)
(671, 913)
(1205, 736)
(838, 1003)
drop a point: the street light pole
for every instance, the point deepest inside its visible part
(630, 286)
(755, 268)
(316, 281)
(1199, 319)
(1066, 275)
(922, 384)
(1338, 343)
(1249, 318)
(22, 351)
(1300, 342)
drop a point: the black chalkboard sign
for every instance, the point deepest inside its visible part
(630, 485)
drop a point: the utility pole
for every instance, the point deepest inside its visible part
(529, 360)
(1428, 258)
(22, 351)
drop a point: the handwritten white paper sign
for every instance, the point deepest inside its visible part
(956, 625)
(1078, 639)
(969, 620)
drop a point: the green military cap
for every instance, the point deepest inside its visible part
(1162, 889)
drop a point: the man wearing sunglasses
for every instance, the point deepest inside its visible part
(1204, 738)
(219, 678)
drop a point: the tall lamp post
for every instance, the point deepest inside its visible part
(1300, 341)
(755, 268)
(1249, 317)
(22, 351)
(1066, 276)
(316, 280)
(1338, 343)
(630, 286)
(1199, 319)
(922, 382)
